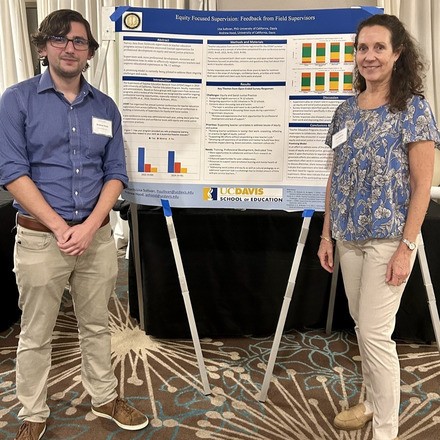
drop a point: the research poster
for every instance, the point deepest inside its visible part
(231, 109)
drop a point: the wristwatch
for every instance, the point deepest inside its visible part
(410, 244)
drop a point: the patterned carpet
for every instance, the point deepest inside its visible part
(314, 377)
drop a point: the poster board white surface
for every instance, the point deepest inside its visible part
(231, 109)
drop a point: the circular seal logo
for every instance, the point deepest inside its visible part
(132, 20)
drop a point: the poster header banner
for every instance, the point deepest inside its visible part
(188, 22)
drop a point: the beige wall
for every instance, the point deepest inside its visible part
(273, 5)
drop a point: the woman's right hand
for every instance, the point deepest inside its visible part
(325, 254)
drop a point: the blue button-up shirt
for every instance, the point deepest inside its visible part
(69, 150)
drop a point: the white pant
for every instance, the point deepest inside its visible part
(373, 305)
(42, 273)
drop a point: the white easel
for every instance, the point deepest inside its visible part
(185, 294)
(307, 216)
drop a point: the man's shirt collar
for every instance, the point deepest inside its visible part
(46, 83)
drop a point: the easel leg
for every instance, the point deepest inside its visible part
(333, 286)
(429, 290)
(285, 308)
(186, 297)
(137, 262)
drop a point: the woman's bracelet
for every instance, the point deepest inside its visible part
(323, 237)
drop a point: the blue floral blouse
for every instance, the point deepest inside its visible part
(370, 189)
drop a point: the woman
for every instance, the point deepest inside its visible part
(377, 196)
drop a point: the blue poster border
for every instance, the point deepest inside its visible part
(246, 25)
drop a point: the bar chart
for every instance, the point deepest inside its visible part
(323, 65)
(326, 81)
(153, 161)
(174, 166)
(323, 52)
(348, 52)
(143, 166)
(335, 52)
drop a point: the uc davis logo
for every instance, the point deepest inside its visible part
(209, 194)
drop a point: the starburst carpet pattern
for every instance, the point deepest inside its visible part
(316, 375)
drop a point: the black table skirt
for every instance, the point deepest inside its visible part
(237, 264)
(9, 311)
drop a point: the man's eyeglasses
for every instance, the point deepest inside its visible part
(61, 42)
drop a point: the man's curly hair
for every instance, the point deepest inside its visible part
(58, 23)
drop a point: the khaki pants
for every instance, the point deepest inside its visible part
(42, 273)
(373, 306)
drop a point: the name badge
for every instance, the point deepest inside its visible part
(102, 126)
(339, 138)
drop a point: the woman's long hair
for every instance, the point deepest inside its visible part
(407, 76)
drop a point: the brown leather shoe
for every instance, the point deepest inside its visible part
(31, 431)
(124, 415)
(353, 418)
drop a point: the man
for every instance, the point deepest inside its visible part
(62, 159)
